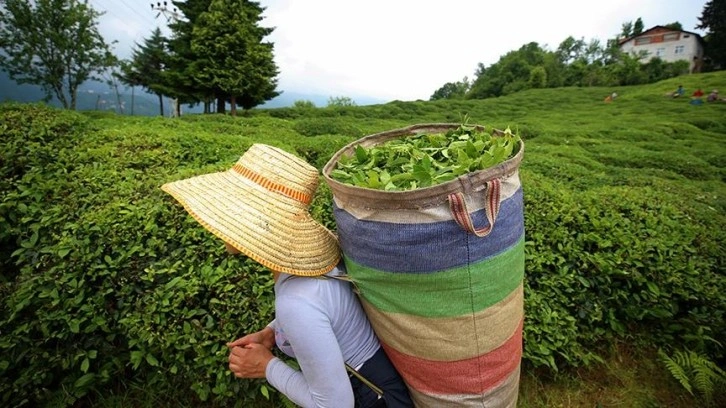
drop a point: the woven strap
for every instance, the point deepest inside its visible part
(342, 277)
(457, 204)
(364, 380)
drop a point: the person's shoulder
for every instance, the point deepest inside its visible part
(298, 300)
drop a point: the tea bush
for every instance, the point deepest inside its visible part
(109, 279)
(106, 281)
(618, 261)
(325, 126)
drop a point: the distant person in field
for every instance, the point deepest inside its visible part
(697, 97)
(678, 92)
(611, 97)
(259, 207)
(713, 96)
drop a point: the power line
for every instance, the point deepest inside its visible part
(145, 17)
(100, 8)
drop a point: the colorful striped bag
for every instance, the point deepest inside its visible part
(440, 272)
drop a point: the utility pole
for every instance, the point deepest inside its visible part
(171, 14)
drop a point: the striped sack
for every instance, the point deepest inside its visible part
(440, 272)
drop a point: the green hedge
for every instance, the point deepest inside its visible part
(617, 262)
(106, 281)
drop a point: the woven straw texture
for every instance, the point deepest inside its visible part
(260, 207)
(446, 303)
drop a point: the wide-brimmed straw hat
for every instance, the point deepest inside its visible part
(260, 207)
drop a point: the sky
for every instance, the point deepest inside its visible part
(407, 49)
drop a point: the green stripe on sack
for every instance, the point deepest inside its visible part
(451, 292)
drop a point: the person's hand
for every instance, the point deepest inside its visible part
(266, 337)
(230, 249)
(249, 361)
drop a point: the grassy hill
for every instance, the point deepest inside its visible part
(625, 219)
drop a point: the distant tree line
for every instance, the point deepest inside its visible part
(585, 63)
(54, 44)
(216, 54)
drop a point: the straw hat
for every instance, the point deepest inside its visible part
(260, 207)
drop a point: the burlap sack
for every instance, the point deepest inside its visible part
(440, 273)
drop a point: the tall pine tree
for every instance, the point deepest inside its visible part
(231, 53)
(146, 66)
(180, 74)
(713, 19)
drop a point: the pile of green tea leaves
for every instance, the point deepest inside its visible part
(424, 160)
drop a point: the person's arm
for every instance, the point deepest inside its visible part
(322, 381)
(266, 337)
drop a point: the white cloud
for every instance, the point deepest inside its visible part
(406, 49)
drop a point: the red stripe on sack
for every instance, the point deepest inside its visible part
(471, 376)
(494, 198)
(458, 210)
(271, 185)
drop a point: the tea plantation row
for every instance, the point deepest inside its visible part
(106, 282)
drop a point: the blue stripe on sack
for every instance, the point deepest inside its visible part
(428, 247)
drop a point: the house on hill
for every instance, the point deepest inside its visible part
(668, 44)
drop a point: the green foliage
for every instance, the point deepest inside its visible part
(181, 73)
(100, 291)
(695, 371)
(574, 63)
(326, 126)
(674, 26)
(303, 104)
(452, 90)
(145, 68)
(54, 44)
(108, 285)
(538, 78)
(508, 75)
(713, 19)
(424, 160)
(231, 54)
(340, 101)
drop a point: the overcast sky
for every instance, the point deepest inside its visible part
(407, 49)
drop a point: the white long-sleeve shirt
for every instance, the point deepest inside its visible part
(321, 323)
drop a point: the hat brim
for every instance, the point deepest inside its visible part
(273, 229)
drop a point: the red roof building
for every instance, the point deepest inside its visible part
(667, 44)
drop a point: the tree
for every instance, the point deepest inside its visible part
(232, 56)
(54, 44)
(626, 30)
(593, 52)
(508, 75)
(713, 19)
(538, 77)
(570, 49)
(628, 70)
(638, 26)
(340, 101)
(674, 26)
(146, 66)
(181, 72)
(452, 90)
(303, 104)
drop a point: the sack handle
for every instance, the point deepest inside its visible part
(457, 204)
(342, 277)
(364, 380)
